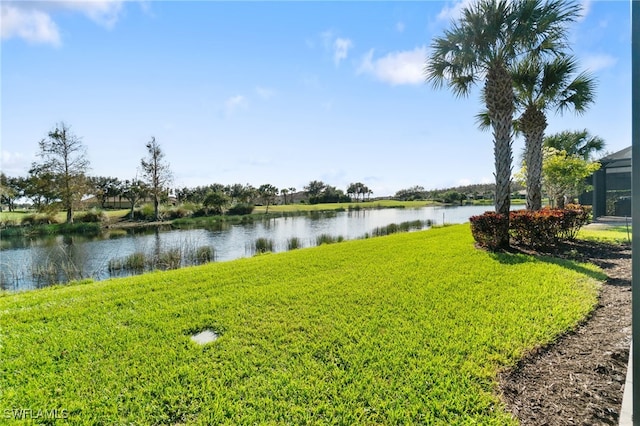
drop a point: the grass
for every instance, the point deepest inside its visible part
(613, 234)
(406, 329)
(60, 217)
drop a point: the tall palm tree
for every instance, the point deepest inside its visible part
(540, 86)
(482, 45)
(579, 143)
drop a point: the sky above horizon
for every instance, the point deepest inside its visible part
(272, 92)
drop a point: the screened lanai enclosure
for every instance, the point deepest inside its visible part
(611, 194)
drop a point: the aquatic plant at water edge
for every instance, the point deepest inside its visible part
(262, 245)
(294, 243)
(328, 239)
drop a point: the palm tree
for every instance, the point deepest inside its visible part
(579, 143)
(482, 45)
(540, 86)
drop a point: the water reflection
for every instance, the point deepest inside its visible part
(36, 262)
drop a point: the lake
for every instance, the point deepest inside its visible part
(33, 263)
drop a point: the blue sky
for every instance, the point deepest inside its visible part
(271, 92)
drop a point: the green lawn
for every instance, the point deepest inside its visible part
(613, 234)
(406, 329)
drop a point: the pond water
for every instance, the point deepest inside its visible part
(34, 263)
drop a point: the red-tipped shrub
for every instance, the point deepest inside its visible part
(575, 217)
(535, 228)
(540, 229)
(485, 229)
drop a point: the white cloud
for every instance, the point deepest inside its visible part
(452, 10)
(265, 93)
(235, 103)
(337, 46)
(103, 12)
(586, 8)
(400, 26)
(595, 63)
(405, 67)
(341, 49)
(33, 26)
(13, 163)
(34, 23)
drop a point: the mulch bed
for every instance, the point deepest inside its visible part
(579, 380)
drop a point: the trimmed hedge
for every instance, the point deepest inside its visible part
(540, 229)
(484, 229)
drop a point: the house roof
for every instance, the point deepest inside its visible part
(621, 158)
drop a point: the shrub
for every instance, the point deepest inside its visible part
(485, 229)
(241, 209)
(144, 213)
(92, 216)
(176, 213)
(535, 228)
(575, 217)
(540, 229)
(39, 219)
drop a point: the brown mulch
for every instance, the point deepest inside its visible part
(579, 379)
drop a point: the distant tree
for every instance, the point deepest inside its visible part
(183, 194)
(41, 188)
(156, 173)
(314, 189)
(411, 194)
(240, 193)
(358, 189)
(134, 190)
(579, 143)
(105, 188)
(284, 192)
(64, 158)
(216, 201)
(267, 194)
(563, 175)
(352, 190)
(11, 188)
(453, 197)
(331, 194)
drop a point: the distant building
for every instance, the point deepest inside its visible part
(611, 195)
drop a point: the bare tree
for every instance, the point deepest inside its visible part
(64, 158)
(156, 173)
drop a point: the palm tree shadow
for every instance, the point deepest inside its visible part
(572, 255)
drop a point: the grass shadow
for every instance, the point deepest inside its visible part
(567, 255)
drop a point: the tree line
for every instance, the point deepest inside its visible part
(61, 181)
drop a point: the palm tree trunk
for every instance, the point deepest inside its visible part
(534, 171)
(499, 99)
(533, 123)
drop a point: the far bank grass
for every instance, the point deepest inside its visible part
(379, 204)
(406, 329)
